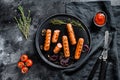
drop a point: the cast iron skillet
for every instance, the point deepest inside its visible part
(39, 40)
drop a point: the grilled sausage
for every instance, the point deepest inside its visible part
(65, 46)
(47, 40)
(55, 36)
(79, 48)
(71, 34)
(57, 48)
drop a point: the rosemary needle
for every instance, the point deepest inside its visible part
(24, 22)
(57, 22)
(77, 23)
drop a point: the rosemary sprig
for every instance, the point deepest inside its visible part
(77, 23)
(24, 22)
(61, 22)
(57, 22)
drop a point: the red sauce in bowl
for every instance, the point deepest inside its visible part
(100, 19)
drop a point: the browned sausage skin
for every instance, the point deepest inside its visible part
(47, 40)
(79, 48)
(55, 36)
(65, 46)
(71, 33)
(57, 48)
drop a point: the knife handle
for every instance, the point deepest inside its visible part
(103, 68)
(95, 67)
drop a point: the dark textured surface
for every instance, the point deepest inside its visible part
(83, 10)
(13, 44)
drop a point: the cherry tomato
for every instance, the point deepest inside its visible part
(24, 58)
(29, 62)
(21, 64)
(100, 18)
(24, 70)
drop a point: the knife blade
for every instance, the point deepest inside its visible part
(106, 44)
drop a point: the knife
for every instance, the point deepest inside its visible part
(104, 57)
(102, 60)
(106, 44)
